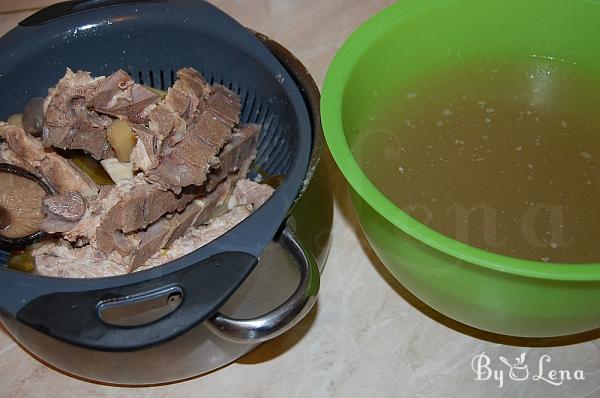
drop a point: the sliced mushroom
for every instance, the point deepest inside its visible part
(21, 206)
(63, 211)
(69, 206)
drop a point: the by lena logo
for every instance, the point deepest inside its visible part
(518, 370)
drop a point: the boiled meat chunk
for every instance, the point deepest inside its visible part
(183, 179)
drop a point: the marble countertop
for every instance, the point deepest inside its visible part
(367, 334)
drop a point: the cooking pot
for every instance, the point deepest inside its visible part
(205, 309)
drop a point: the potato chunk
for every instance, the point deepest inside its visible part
(122, 139)
(117, 171)
(15, 120)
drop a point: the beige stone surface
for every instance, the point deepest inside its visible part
(367, 336)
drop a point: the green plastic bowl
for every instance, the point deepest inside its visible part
(491, 292)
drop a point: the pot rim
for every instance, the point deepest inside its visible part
(336, 80)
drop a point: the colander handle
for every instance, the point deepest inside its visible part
(284, 317)
(65, 8)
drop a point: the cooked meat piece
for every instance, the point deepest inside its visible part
(180, 234)
(190, 149)
(60, 259)
(88, 132)
(54, 224)
(22, 144)
(164, 124)
(180, 223)
(164, 232)
(8, 156)
(63, 211)
(191, 82)
(27, 152)
(64, 176)
(33, 117)
(145, 244)
(164, 120)
(191, 159)
(224, 190)
(200, 211)
(224, 223)
(69, 124)
(133, 249)
(248, 192)
(224, 104)
(109, 196)
(183, 100)
(242, 146)
(128, 206)
(151, 240)
(119, 96)
(187, 164)
(144, 205)
(146, 151)
(212, 130)
(73, 107)
(197, 237)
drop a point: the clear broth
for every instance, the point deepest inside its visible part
(500, 155)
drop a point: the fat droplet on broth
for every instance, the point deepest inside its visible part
(499, 144)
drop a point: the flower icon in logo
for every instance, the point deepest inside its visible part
(519, 371)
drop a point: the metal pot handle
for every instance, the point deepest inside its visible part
(284, 317)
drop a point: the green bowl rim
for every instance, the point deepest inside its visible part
(334, 85)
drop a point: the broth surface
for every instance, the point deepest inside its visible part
(500, 155)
